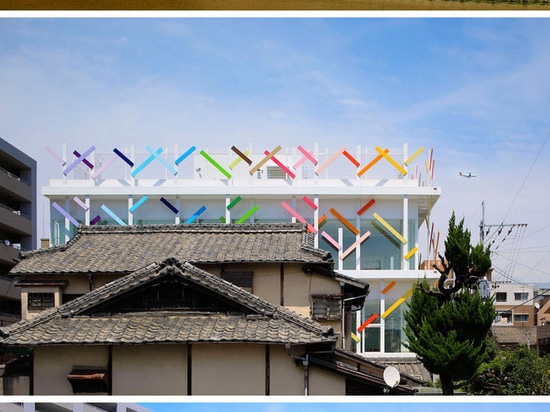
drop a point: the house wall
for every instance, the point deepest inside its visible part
(52, 364)
(216, 369)
(148, 369)
(286, 378)
(228, 369)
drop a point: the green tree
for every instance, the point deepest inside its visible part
(447, 326)
(513, 372)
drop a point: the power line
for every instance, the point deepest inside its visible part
(527, 176)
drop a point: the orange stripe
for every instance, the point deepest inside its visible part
(344, 221)
(371, 164)
(367, 322)
(387, 288)
(350, 158)
(369, 204)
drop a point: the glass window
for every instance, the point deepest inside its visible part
(381, 250)
(326, 307)
(371, 340)
(521, 317)
(394, 330)
(40, 300)
(500, 297)
(521, 295)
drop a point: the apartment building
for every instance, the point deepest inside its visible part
(17, 221)
(515, 304)
(363, 205)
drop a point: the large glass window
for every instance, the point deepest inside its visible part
(394, 330)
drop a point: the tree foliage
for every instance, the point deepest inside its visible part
(447, 327)
(513, 372)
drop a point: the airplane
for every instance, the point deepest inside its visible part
(466, 175)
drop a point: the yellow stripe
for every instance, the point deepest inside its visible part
(390, 159)
(236, 162)
(355, 337)
(396, 304)
(414, 156)
(388, 226)
(411, 252)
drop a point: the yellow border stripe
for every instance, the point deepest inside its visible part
(391, 160)
(237, 160)
(414, 156)
(396, 304)
(388, 226)
(411, 252)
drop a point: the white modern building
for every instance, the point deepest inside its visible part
(365, 205)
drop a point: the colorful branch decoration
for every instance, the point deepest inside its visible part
(113, 215)
(389, 228)
(215, 164)
(397, 303)
(80, 158)
(265, 160)
(138, 204)
(65, 214)
(195, 215)
(170, 205)
(306, 156)
(185, 155)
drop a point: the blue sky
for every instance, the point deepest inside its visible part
(477, 90)
(380, 404)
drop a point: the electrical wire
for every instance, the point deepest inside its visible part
(527, 176)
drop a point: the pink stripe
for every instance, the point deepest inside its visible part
(105, 166)
(80, 203)
(308, 155)
(304, 158)
(293, 212)
(300, 218)
(59, 158)
(329, 161)
(355, 244)
(282, 166)
(337, 245)
(310, 202)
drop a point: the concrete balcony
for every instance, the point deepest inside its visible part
(13, 221)
(15, 187)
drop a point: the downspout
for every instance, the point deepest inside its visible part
(305, 362)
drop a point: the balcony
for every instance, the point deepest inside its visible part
(15, 187)
(14, 221)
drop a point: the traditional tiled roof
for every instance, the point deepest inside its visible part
(124, 249)
(514, 335)
(76, 323)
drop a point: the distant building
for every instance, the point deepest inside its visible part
(17, 221)
(514, 303)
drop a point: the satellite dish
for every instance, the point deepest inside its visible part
(391, 376)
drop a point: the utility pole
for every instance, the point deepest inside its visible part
(483, 225)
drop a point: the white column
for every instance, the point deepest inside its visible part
(406, 246)
(130, 214)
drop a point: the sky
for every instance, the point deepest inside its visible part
(475, 89)
(319, 405)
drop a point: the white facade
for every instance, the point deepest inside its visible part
(364, 205)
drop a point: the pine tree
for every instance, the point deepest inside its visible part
(447, 326)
